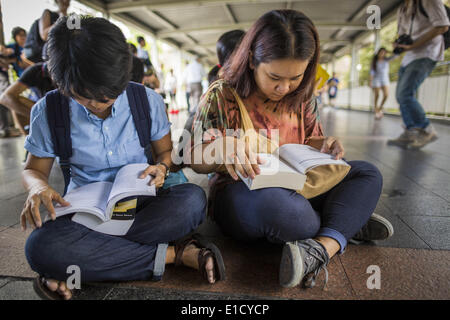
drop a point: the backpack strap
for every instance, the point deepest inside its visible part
(44, 65)
(58, 117)
(422, 9)
(140, 110)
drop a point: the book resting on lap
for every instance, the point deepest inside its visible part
(109, 207)
(287, 167)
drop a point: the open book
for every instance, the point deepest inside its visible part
(287, 167)
(109, 207)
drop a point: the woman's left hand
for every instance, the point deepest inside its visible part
(158, 172)
(333, 146)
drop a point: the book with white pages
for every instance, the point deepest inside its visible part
(287, 167)
(109, 207)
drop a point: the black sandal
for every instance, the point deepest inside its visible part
(40, 287)
(207, 249)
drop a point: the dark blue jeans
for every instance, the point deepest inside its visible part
(282, 215)
(409, 80)
(139, 255)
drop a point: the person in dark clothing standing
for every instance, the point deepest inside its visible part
(37, 36)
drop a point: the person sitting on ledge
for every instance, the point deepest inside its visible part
(91, 66)
(273, 73)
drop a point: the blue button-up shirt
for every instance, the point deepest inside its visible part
(99, 147)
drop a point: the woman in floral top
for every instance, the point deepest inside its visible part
(273, 72)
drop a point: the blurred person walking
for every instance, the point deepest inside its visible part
(170, 87)
(379, 79)
(332, 89)
(38, 34)
(193, 77)
(421, 25)
(142, 53)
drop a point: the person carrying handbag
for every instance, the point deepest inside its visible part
(267, 84)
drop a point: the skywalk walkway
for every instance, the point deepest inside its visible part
(414, 263)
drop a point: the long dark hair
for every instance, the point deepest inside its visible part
(278, 34)
(375, 58)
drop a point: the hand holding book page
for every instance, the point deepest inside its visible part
(332, 146)
(287, 167)
(274, 173)
(238, 157)
(92, 198)
(95, 202)
(303, 157)
(127, 183)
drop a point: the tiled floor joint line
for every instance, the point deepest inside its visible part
(8, 281)
(348, 278)
(431, 248)
(108, 293)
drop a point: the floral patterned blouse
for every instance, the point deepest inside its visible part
(218, 111)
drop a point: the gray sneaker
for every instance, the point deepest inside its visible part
(424, 137)
(377, 228)
(302, 260)
(408, 136)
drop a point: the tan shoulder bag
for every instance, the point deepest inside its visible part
(319, 180)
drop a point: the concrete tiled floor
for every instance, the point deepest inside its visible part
(414, 263)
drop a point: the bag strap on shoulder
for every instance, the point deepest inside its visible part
(258, 142)
(140, 110)
(422, 9)
(58, 117)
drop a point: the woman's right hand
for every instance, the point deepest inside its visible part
(36, 196)
(237, 157)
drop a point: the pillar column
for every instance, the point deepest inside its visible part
(377, 41)
(353, 72)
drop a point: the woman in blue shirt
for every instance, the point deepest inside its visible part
(91, 67)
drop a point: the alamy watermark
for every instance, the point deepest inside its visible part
(74, 280)
(73, 22)
(374, 19)
(374, 281)
(215, 149)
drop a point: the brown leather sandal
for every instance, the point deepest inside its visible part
(207, 249)
(40, 287)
